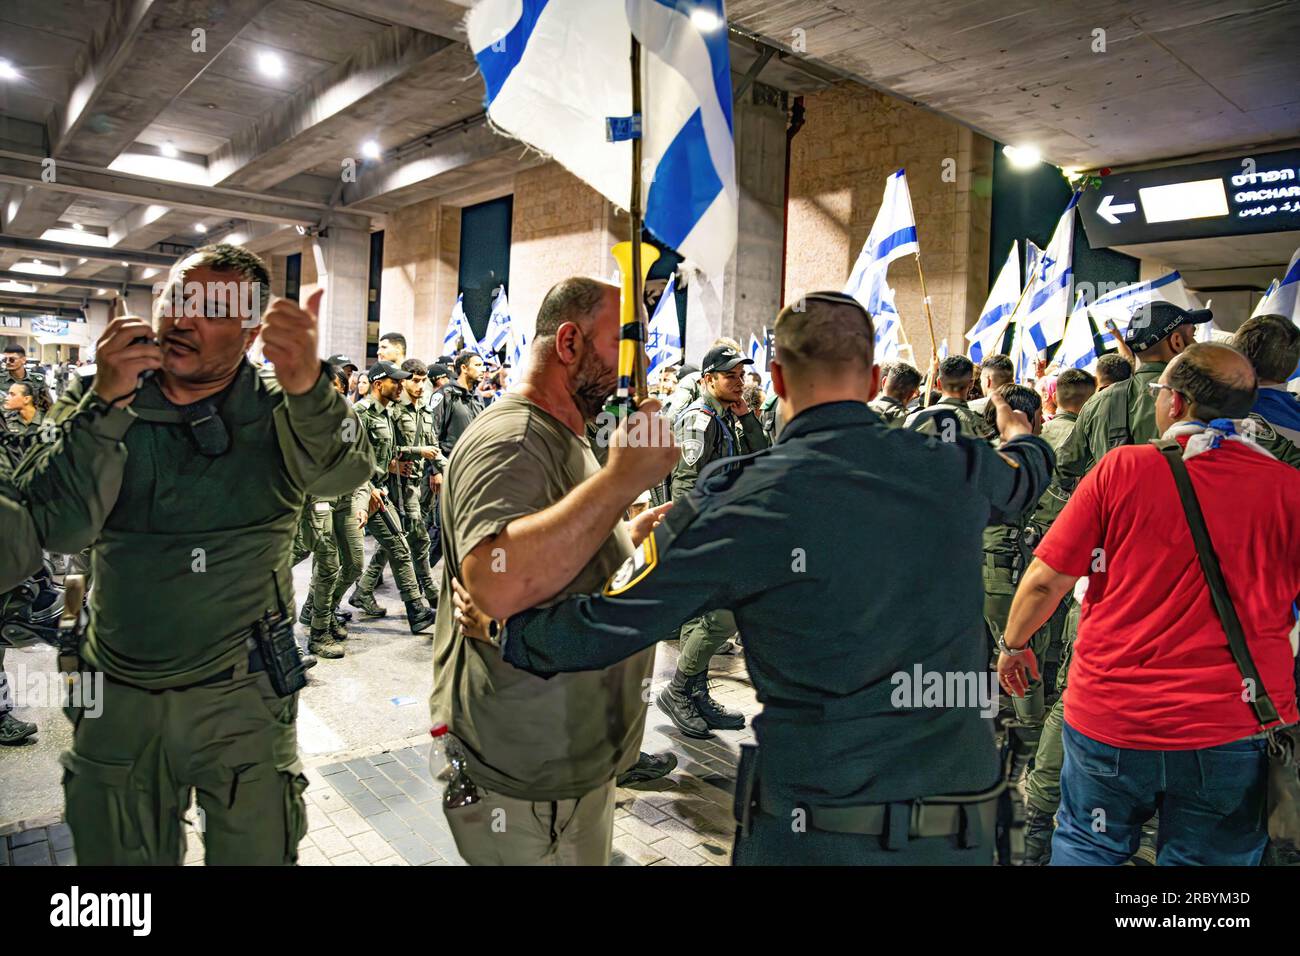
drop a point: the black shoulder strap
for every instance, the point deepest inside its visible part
(1260, 702)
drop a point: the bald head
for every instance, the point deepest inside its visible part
(823, 352)
(1208, 380)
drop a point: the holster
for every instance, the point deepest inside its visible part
(274, 641)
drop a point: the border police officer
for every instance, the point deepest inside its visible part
(956, 373)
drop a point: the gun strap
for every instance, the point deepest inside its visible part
(1260, 702)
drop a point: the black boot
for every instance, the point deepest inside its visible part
(430, 592)
(419, 615)
(365, 603)
(323, 645)
(714, 714)
(675, 701)
(1038, 837)
(338, 630)
(14, 731)
(343, 616)
(648, 767)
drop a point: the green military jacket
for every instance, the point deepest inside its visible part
(708, 431)
(381, 428)
(1056, 433)
(1122, 414)
(34, 378)
(187, 551)
(414, 434)
(972, 425)
(889, 408)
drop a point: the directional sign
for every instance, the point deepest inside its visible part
(1228, 197)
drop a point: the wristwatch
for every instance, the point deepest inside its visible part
(1009, 651)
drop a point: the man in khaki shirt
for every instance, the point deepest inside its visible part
(524, 498)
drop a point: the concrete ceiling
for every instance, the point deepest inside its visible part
(1177, 76)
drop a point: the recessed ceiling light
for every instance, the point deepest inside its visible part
(81, 262)
(706, 21)
(101, 292)
(7, 71)
(126, 265)
(270, 64)
(168, 149)
(78, 226)
(148, 273)
(200, 228)
(37, 262)
(370, 149)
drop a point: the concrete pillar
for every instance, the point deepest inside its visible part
(341, 262)
(752, 282)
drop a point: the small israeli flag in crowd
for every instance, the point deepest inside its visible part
(1283, 300)
(1078, 350)
(888, 324)
(556, 71)
(1262, 307)
(758, 352)
(518, 357)
(458, 328)
(985, 337)
(497, 334)
(892, 236)
(663, 345)
(1120, 305)
(1047, 303)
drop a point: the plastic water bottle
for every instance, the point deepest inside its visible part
(439, 764)
(461, 791)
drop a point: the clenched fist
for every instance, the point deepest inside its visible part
(289, 342)
(125, 351)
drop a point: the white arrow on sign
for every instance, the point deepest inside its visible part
(1108, 209)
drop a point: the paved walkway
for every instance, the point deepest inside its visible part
(379, 807)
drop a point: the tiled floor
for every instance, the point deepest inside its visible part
(381, 808)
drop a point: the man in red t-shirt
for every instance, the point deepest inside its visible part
(1157, 714)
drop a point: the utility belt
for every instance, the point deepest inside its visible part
(972, 817)
(271, 648)
(992, 560)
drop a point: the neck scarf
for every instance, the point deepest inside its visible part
(1208, 436)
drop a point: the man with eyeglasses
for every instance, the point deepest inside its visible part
(191, 616)
(1125, 413)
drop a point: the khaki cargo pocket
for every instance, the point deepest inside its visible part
(106, 813)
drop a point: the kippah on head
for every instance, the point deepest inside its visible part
(824, 328)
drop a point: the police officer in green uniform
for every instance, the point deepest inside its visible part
(15, 370)
(900, 383)
(414, 447)
(951, 416)
(376, 413)
(832, 644)
(716, 426)
(191, 615)
(1043, 784)
(1125, 413)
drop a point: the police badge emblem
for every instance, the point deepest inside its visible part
(692, 449)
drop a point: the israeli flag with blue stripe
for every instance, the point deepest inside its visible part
(458, 328)
(1078, 348)
(1261, 308)
(556, 70)
(985, 337)
(1283, 299)
(758, 353)
(1048, 299)
(663, 344)
(519, 353)
(892, 236)
(888, 324)
(1120, 304)
(497, 334)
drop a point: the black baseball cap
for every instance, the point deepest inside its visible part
(686, 369)
(438, 371)
(341, 361)
(381, 370)
(1151, 322)
(722, 358)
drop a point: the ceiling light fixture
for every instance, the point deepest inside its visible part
(7, 71)
(200, 228)
(270, 64)
(78, 226)
(370, 149)
(169, 150)
(1022, 157)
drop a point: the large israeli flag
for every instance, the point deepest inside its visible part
(497, 334)
(555, 70)
(663, 345)
(892, 236)
(458, 328)
(985, 337)
(888, 325)
(1120, 305)
(1048, 301)
(1283, 300)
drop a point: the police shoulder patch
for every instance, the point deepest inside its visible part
(692, 449)
(641, 562)
(435, 401)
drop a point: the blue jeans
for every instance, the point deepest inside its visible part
(1211, 803)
